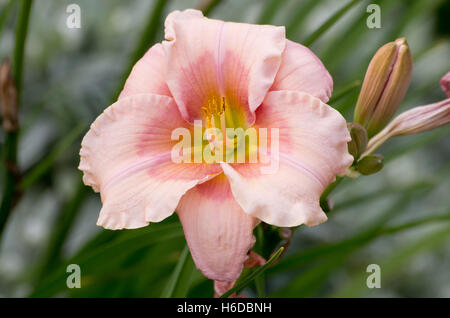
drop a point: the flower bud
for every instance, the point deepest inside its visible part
(445, 84)
(413, 121)
(8, 98)
(385, 84)
(370, 164)
(359, 140)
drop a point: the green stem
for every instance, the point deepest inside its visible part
(19, 50)
(11, 193)
(327, 191)
(11, 178)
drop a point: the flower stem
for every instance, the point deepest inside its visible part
(326, 193)
(11, 193)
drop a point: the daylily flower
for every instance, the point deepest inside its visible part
(259, 79)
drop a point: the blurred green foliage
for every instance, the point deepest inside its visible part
(398, 218)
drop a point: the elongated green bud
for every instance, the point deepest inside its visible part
(359, 140)
(385, 84)
(370, 164)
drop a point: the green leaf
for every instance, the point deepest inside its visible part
(307, 283)
(303, 258)
(298, 17)
(62, 226)
(180, 280)
(344, 92)
(330, 22)
(147, 38)
(356, 286)
(269, 10)
(45, 164)
(109, 255)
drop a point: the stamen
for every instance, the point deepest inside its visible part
(205, 111)
(223, 106)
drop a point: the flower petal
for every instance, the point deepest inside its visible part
(221, 288)
(126, 155)
(312, 151)
(209, 58)
(148, 74)
(218, 232)
(301, 70)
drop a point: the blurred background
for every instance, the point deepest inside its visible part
(397, 218)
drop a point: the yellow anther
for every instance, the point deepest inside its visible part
(205, 111)
(214, 107)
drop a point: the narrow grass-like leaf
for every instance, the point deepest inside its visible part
(179, 281)
(126, 244)
(307, 283)
(147, 38)
(297, 260)
(422, 221)
(330, 22)
(269, 11)
(19, 49)
(356, 287)
(298, 17)
(45, 164)
(64, 222)
(343, 92)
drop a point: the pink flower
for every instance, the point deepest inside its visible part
(445, 84)
(413, 121)
(238, 75)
